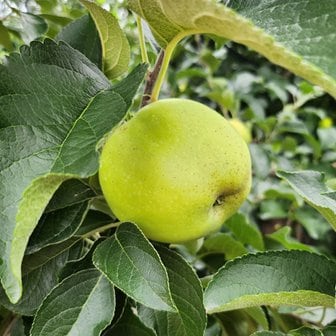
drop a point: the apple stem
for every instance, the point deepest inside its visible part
(168, 52)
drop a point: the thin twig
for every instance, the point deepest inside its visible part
(9, 324)
(151, 78)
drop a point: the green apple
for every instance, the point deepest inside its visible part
(177, 169)
(242, 129)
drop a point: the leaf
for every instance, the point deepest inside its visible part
(272, 28)
(244, 231)
(40, 275)
(71, 192)
(305, 331)
(329, 331)
(258, 315)
(55, 105)
(309, 185)
(29, 210)
(272, 278)
(237, 323)
(85, 301)
(129, 324)
(283, 236)
(85, 262)
(132, 264)
(55, 227)
(223, 243)
(82, 35)
(5, 39)
(268, 333)
(60, 20)
(92, 222)
(115, 47)
(33, 26)
(186, 290)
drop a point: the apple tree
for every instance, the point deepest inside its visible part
(167, 167)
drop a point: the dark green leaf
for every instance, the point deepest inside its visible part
(310, 185)
(277, 278)
(305, 331)
(40, 274)
(55, 106)
(92, 222)
(329, 331)
(268, 333)
(129, 324)
(85, 301)
(69, 193)
(78, 265)
(133, 265)
(187, 295)
(57, 226)
(82, 35)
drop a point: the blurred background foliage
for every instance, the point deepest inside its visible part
(292, 127)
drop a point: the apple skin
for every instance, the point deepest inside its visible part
(177, 169)
(242, 129)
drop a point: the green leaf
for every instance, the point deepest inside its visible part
(283, 236)
(71, 192)
(186, 290)
(40, 274)
(85, 301)
(270, 209)
(115, 47)
(55, 106)
(132, 264)
(272, 278)
(237, 323)
(60, 20)
(85, 262)
(268, 333)
(55, 227)
(5, 39)
(129, 324)
(305, 331)
(19, 228)
(258, 315)
(92, 222)
(33, 26)
(260, 161)
(223, 243)
(310, 185)
(329, 331)
(82, 35)
(244, 231)
(272, 28)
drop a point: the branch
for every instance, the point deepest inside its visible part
(151, 79)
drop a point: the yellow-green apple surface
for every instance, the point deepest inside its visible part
(242, 129)
(177, 169)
